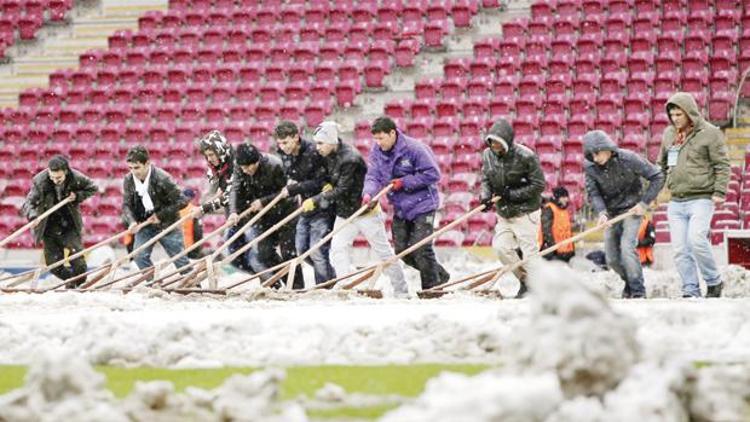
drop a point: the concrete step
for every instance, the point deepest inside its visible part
(129, 9)
(97, 28)
(14, 84)
(73, 46)
(44, 65)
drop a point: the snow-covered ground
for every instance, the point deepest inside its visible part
(153, 328)
(565, 353)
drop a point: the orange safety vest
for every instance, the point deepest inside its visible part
(646, 253)
(188, 234)
(561, 228)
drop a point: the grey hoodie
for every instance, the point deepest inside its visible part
(702, 169)
(616, 186)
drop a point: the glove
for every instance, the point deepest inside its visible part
(506, 194)
(397, 184)
(488, 204)
(366, 199)
(308, 205)
(327, 187)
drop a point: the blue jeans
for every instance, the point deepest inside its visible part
(620, 243)
(689, 225)
(310, 229)
(171, 242)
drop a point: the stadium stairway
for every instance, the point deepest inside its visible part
(59, 46)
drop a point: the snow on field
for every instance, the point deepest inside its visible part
(152, 328)
(566, 353)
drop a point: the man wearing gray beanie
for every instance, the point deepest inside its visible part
(614, 186)
(346, 173)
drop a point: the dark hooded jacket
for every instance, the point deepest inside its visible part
(219, 177)
(264, 185)
(346, 171)
(306, 171)
(43, 196)
(616, 187)
(515, 176)
(165, 195)
(702, 169)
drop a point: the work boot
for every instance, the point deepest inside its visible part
(626, 292)
(522, 290)
(715, 290)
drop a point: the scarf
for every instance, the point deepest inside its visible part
(682, 135)
(142, 189)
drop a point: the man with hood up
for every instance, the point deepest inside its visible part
(694, 157)
(61, 230)
(219, 156)
(410, 167)
(513, 173)
(614, 187)
(556, 226)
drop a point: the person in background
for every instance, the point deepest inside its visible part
(646, 241)
(192, 229)
(556, 226)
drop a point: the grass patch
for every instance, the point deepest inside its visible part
(403, 380)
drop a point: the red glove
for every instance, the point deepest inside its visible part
(366, 199)
(397, 184)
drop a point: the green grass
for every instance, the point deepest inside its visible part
(404, 380)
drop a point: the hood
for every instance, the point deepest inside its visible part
(217, 143)
(595, 141)
(501, 128)
(687, 103)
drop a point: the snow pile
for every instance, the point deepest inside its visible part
(577, 359)
(721, 393)
(574, 332)
(485, 397)
(62, 386)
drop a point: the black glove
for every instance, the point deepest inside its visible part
(488, 204)
(506, 195)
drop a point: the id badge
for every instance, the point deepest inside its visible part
(672, 155)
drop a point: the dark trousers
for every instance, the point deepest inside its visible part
(263, 255)
(405, 234)
(55, 244)
(240, 262)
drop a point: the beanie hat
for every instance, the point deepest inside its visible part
(560, 192)
(327, 133)
(247, 154)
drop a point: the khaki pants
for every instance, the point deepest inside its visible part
(517, 233)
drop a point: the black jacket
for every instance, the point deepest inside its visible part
(165, 194)
(516, 176)
(42, 197)
(346, 172)
(306, 171)
(265, 185)
(616, 186)
(219, 178)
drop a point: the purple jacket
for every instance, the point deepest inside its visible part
(413, 163)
